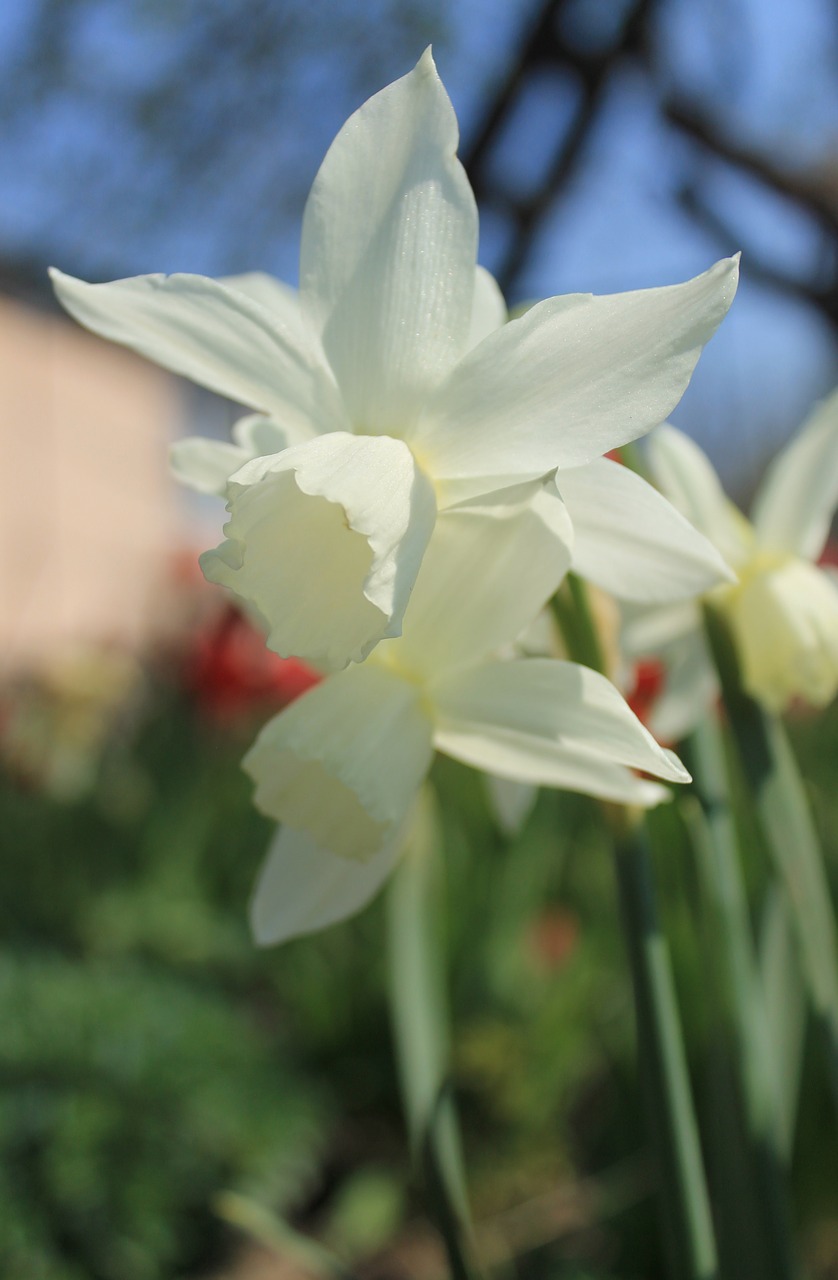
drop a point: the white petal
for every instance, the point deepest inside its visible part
(488, 308)
(303, 888)
(685, 475)
(510, 802)
(389, 251)
(797, 499)
(343, 762)
(571, 379)
(216, 336)
(326, 540)
(630, 541)
(280, 299)
(690, 688)
(205, 465)
(646, 632)
(486, 574)
(674, 635)
(568, 768)
(258, 436)
(537, 719)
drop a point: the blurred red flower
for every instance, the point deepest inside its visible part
(231, 673)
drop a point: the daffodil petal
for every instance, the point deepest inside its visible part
(389, 249)
(510, 801)
(571, 379)
(216, 336)
(259, 436)
(344, 762)
(205, 465)
(488, 308)
(487, 572)
(797, 499)
(532, 718)
(302, 888)
(325, 539)
(685, 475)
(646, 632)
(630, 541)
(673, 634)
(568, 768)
(279, 299)
(690, 688)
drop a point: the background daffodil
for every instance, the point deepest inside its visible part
(783, 610)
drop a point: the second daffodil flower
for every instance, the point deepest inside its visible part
(783, 610)
(341, 767)
(390, 389)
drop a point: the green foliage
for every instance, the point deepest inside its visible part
(152, 1060)
(128, 1099)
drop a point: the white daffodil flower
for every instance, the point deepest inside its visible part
(341, 766)
(392, 387)
(783, 610)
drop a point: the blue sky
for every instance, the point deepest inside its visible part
(83, 187)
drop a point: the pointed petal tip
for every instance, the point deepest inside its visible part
(677, 773)
(729, 268)
(262, 937)
(61, 282)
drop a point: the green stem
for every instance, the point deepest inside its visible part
(420, 1031)
(686, 1203)
(784, 817)
(572, 612)
(714, 836)
(710, 824)
(663, 1060)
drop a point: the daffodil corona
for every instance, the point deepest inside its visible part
(390, 389)
(341, 767)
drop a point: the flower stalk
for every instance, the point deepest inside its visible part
(687, 1220)
(420, 1030)
(763, 1202)
(785, 819)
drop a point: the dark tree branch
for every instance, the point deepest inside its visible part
(548, 46)
(816, 191)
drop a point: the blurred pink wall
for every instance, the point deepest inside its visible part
(89, 521)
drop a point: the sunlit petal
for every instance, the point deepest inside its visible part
(630, 541)
(280, 299)
(216, 336)
(389, 250)
(571, 379)
(488, 308)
